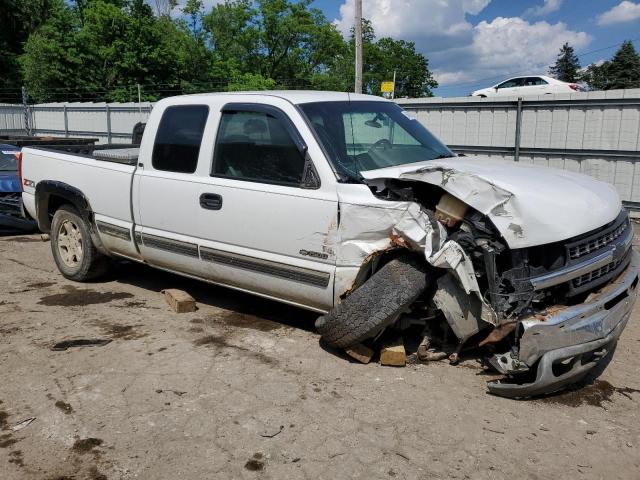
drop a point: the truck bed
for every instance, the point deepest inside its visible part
(125, 153)
(106, 181)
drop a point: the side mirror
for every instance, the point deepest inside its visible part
(495, 88)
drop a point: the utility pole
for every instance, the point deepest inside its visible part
(358, 42)
(27, 112)
(393, 93)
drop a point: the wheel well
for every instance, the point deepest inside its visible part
(51, 195)
(372, 264)
(55, 202)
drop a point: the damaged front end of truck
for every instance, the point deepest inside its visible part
(542, 287)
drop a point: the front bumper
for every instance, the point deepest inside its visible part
(573, 340)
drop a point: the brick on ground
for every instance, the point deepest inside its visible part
(179, 300)
(393, 354)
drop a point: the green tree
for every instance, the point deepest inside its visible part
(597, 76)
(51, 61)
(413, 78)
(250, 82)
(282, 40)
(194, 10)
(102, 49)
(233, 36)
(567, 65)
(381, 58)
(622, 71)
(112, 48)
(18, 20)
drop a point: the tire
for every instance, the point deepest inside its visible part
(376, 304)
(73, 250)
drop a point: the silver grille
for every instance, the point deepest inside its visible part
(597, 243)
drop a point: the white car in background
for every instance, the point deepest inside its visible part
(529, 85)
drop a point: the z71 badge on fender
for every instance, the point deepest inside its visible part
(309, 253)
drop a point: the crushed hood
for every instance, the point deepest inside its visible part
(530, 205)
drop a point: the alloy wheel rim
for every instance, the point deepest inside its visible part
(70, 245)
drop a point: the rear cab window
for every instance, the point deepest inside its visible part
(178, 139)
(8, 160)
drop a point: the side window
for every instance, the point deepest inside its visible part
(178, 138)
(534, 81)
(256, 147)
(514, 82)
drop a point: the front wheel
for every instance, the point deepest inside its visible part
(73, 250)
(377, 303)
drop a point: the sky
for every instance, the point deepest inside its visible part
(472, 44)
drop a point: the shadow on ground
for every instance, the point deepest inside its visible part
(149, 278)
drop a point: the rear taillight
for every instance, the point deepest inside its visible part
(19, 158)
(573, 86)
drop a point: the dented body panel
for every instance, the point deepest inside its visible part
(577, 338)
(528, 204)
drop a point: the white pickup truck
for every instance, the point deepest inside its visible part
(346, 205)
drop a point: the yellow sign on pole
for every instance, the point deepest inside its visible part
(386, 87)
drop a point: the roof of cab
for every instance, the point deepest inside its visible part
(303, 96)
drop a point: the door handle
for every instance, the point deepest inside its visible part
(211, 201)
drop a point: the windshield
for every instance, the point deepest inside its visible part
(8, 160)
(359, 136)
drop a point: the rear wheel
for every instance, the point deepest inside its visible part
(73, 250)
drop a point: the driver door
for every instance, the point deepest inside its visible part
(263, 226)
(510, 87)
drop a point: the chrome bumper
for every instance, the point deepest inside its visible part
(573, 340)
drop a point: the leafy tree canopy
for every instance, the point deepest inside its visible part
(622, 71)
(18, 19)
(102, 49)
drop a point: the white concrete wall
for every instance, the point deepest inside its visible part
(11, 119)
(611, 127)
(90, 119)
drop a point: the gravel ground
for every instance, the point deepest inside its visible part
(242, 388)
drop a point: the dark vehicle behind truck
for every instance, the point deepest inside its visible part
(12, 215)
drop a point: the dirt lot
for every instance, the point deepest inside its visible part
(242, 389)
